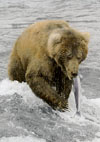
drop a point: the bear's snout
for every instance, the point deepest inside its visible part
(72, 69)
(74, 74)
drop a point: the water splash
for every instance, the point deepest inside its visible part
(23, 114)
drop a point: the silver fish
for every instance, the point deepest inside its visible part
(77, 94)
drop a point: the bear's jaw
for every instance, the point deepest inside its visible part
(64, 70)
(71, 76)
(68, 75)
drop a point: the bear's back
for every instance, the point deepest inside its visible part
(47, 25)
(34, 39)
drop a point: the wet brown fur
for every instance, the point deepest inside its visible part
(47, 54)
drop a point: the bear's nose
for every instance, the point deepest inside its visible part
(74, 74)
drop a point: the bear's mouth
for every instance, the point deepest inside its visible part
(71, 75)
(74, 75)
(67, 73)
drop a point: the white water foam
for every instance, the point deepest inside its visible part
(89, 107)
(90, 113)
(21, 139)
(8, 87)
(94, 140)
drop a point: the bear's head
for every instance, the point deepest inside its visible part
(68, 48)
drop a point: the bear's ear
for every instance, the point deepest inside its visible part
(86, 36)
(55, 38)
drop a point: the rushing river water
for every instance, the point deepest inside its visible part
(24, 117)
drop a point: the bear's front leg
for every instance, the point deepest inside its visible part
(43, 90)
(66, 87)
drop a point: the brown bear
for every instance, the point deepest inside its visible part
(47, 55)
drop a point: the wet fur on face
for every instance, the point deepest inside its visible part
(70, 48)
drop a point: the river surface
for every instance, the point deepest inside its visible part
(23, 116)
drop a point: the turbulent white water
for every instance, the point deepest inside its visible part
(21, 139)
(23, 116)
